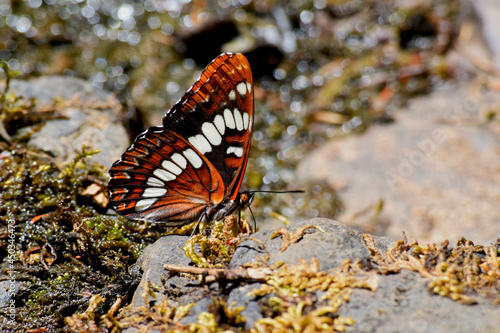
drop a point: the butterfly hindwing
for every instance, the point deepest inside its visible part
(161, 178)
(194, 164)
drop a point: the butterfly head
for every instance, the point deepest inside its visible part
(245, 199)
(227, 207)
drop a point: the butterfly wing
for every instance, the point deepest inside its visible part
(197, 159)
(216, 116)
(161, 178)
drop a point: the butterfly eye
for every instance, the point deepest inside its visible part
(191, 168)
(246, 198)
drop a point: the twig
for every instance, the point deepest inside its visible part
(218, 274)
(290, 238)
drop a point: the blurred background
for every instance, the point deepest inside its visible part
(384, 112)
(324, 70)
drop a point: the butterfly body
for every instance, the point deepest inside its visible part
(192, 167)
(227, 207)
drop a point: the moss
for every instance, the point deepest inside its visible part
(294, 319)
(295, 304)
(459, 273)
(19, 117)
(63, 250)
(219, 317)
(216, 248)
(164, 317)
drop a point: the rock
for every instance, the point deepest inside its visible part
(488, 12)
(251, 309)
(199, 307)
(165, 250)
(7, 289)
(91, 118)
(435, 169)
(331, 247)
(403, 303)
(150, 264)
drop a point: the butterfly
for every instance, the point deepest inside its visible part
(191, 168)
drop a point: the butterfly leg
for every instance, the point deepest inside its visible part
(202, 219)
(195, 228)
(254, 221)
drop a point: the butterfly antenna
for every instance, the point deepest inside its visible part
(271, 191)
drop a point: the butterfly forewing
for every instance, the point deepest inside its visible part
(178, 172)
(216, 116)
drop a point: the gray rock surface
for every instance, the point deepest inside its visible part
(252, 310)
(8, 288)
(401, 302)
(150, 265)
(91, 118)
(336, 243)
(435, 169)
(488, 12)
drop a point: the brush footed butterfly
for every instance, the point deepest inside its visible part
(191, 168)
